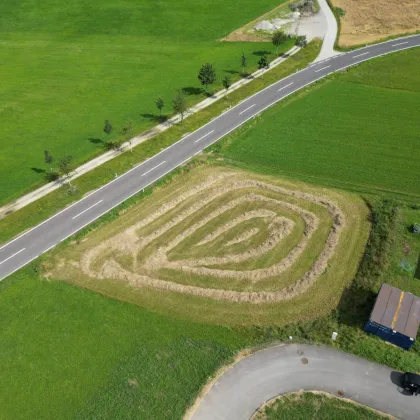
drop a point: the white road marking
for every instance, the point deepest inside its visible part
(84, 211)
(400, 43)
(359, 55)
(284, 87)
(252, 106)
(157, 166)
(323, 68)
(205, 135)
(51, 247)
(7, 259)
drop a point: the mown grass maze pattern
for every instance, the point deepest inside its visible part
(229, 236)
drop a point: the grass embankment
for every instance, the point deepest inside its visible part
(316, 407)
(356, 130)
(66, 67)
(45, 207)
(171, 224)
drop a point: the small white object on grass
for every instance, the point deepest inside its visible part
(290, 337)
(334, 336)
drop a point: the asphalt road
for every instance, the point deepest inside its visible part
(48, 234)
(240, 391)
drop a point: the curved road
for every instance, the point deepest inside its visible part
(240, 391)
(48, 234)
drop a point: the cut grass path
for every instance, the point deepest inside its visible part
(68, 66)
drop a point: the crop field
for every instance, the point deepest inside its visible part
(226, 247)
(315, 406)
(365, 21)
(357, 130)
(68, 66)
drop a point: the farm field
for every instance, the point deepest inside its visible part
(227, 247)
(69, 353)
(315, 406)
(66, 67)
(356, 130)
(365, 21)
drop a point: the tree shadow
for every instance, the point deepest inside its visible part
(192, 90)
(155, 118)
(232, 72)
(417, 272)
(38, 170)
(96, 141)
(261, 53)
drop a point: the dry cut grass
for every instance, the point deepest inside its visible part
(367, 21)
(218, 241)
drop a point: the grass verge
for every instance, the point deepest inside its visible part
(315, 406)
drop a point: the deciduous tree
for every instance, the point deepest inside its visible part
(227, 83)
(278, 38)
(207, 75)
(179, 104)
(159, 105)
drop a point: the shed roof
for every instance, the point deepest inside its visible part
(397, 310)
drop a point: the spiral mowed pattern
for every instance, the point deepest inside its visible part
(221, 235)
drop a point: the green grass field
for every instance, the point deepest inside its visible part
(70, 353)
(357, 130)
(316, 407)
(66, 67)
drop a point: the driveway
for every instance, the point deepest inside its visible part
(240, 391)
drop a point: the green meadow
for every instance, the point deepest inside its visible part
(358, 130)
(68, 66)
(316, 407)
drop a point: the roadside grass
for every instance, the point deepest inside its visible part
(45, 207)
(67, 353)
(322, 297)
(356, 130)
(66, 67)
(315, 406)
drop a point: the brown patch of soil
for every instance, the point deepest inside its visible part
(367, 21)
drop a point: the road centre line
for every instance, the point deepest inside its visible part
(7, 259)
(284, 87)
(400, 43)
(323, 68)
(252, 106)
(359, 55)
(85, 210)
(157, 166)
(205, 135)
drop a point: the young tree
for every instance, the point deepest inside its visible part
(64, 165)
(48, 159)
(278, 38)
(159, 105)
(207, 75)
(301, 41)
(263, 64)
(107, 127)
(243, 63)
(127, 130)
(179, 104)
(227, 83)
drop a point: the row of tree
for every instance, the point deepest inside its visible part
(206, 76)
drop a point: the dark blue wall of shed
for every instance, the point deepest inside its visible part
(387, 334)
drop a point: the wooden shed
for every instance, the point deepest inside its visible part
(395, 316)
